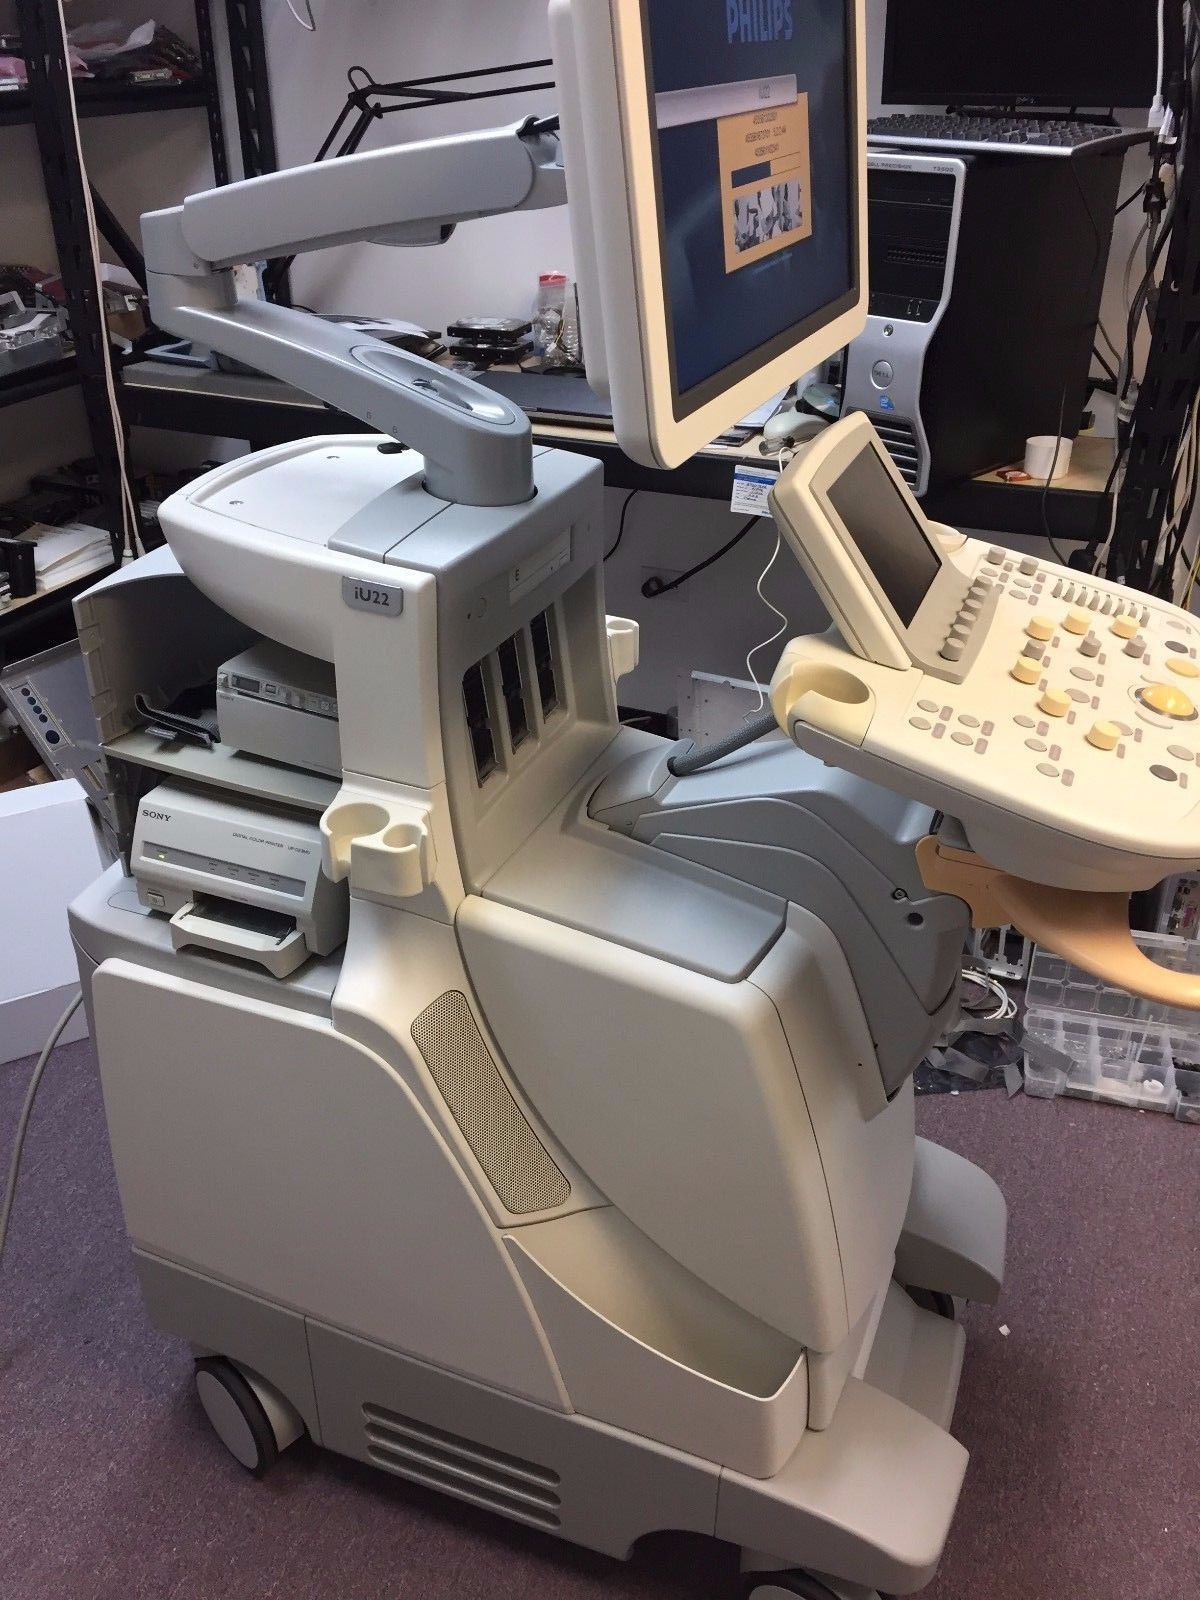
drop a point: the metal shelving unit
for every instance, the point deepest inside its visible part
(45, 105)
(112, 100)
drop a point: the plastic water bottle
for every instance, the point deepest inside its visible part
(549, 313)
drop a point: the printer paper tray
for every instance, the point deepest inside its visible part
(279, 953)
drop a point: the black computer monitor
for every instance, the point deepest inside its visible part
(1049, 53)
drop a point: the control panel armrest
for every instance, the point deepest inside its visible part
(1089, 929)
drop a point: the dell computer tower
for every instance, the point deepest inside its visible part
(986, 278)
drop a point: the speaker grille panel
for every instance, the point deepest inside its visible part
(517, 1163)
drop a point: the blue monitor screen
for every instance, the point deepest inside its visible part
(753, 103)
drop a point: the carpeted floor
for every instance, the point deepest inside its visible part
(1083, 1422)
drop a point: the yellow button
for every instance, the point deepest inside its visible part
(1104, 735)
(1125, 627)
(1184, 667)
(1055, 703)
(1166, 700)
(1027, 671)
(1077, 621)
(1040, 628)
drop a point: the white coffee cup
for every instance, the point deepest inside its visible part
(1040, 459)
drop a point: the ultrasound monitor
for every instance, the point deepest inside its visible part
(715, 157)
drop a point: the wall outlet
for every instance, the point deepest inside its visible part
(677, 597)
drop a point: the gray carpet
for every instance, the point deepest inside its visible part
(1084, 1422)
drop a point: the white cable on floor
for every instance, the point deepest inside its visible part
(14, 1166)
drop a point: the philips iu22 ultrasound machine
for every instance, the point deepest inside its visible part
(511, 1099)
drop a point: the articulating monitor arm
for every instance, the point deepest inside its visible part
(477, 447)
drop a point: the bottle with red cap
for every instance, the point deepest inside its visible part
(549, 316)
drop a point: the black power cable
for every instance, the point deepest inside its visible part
(656, 586)
(616, 544)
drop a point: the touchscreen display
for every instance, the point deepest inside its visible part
(892, 541)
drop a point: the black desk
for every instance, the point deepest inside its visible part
(264, 412)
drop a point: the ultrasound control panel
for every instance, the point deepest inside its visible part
(1058, 716)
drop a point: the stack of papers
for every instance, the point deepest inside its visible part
(64, 554)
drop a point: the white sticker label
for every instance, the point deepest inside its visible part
(751, 486)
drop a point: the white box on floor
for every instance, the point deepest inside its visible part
(48, 853)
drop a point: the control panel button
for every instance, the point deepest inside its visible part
(927, 705)
(1125, 627)
(1055, 703)
(952, 650)
(1028, 567)
(1047, 770)
(882, 374)
(1167, 701)
(996, 554)
(1027, 671)
(1136, 647)
(1104, 735)
(1181, 752)
(1040, 628)
(1037, 745)
(1090, 647)
(1183, 667)
(1172, 644)
(1076, 621)
(1033, 650)
(962, 738)
(1167, 774)
(922, 724)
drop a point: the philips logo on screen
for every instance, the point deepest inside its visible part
(758, 21)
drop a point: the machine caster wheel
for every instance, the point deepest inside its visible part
(239, 1416)
(934, 1300)
(780, 1585)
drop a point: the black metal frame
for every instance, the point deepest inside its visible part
(1145, 550)
(46, 104)
(50, 95)
(212, 99)
(1167, 393)
(256, 121)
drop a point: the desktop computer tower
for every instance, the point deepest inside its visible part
(986, 278)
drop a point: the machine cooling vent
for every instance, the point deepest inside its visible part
(457, 1466)
(900, 442)
(518, 1166)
